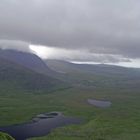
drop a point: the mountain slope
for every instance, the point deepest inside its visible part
(19, 77)
(28, 60)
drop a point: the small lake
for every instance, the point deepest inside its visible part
(40, 125)
(99, 103)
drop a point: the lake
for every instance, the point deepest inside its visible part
(99, 103)
(40, 125)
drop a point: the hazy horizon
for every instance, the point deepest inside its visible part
(93, 31)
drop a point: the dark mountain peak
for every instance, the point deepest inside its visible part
(28, 60)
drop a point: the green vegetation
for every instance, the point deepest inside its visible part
(119, 122)
(4, 136)
(19, 103)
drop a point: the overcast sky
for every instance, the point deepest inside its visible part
(107, 28)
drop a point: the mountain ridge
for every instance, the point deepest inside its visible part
(28, 60)
(18, 76)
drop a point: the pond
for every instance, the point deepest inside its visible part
(40, 125)
(99, 103)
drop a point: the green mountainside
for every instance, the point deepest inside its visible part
(19, 77)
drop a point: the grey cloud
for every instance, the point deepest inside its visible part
(84, 56)
(15, 45)
(97, 26)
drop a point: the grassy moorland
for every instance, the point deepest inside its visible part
(24, 94)
(119, 122)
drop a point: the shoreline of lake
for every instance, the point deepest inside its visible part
(40, 125)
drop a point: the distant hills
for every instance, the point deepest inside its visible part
(99, 69)
(29, 72)
(96, 75)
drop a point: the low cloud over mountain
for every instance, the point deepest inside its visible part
(95, 27)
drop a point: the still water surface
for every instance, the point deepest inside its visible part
(39, 126)
(99, 103)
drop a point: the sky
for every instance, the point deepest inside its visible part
(100, 31)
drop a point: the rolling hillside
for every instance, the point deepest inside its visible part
(19, 77)
(96, 75)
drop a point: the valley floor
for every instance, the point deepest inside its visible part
(119, 122)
